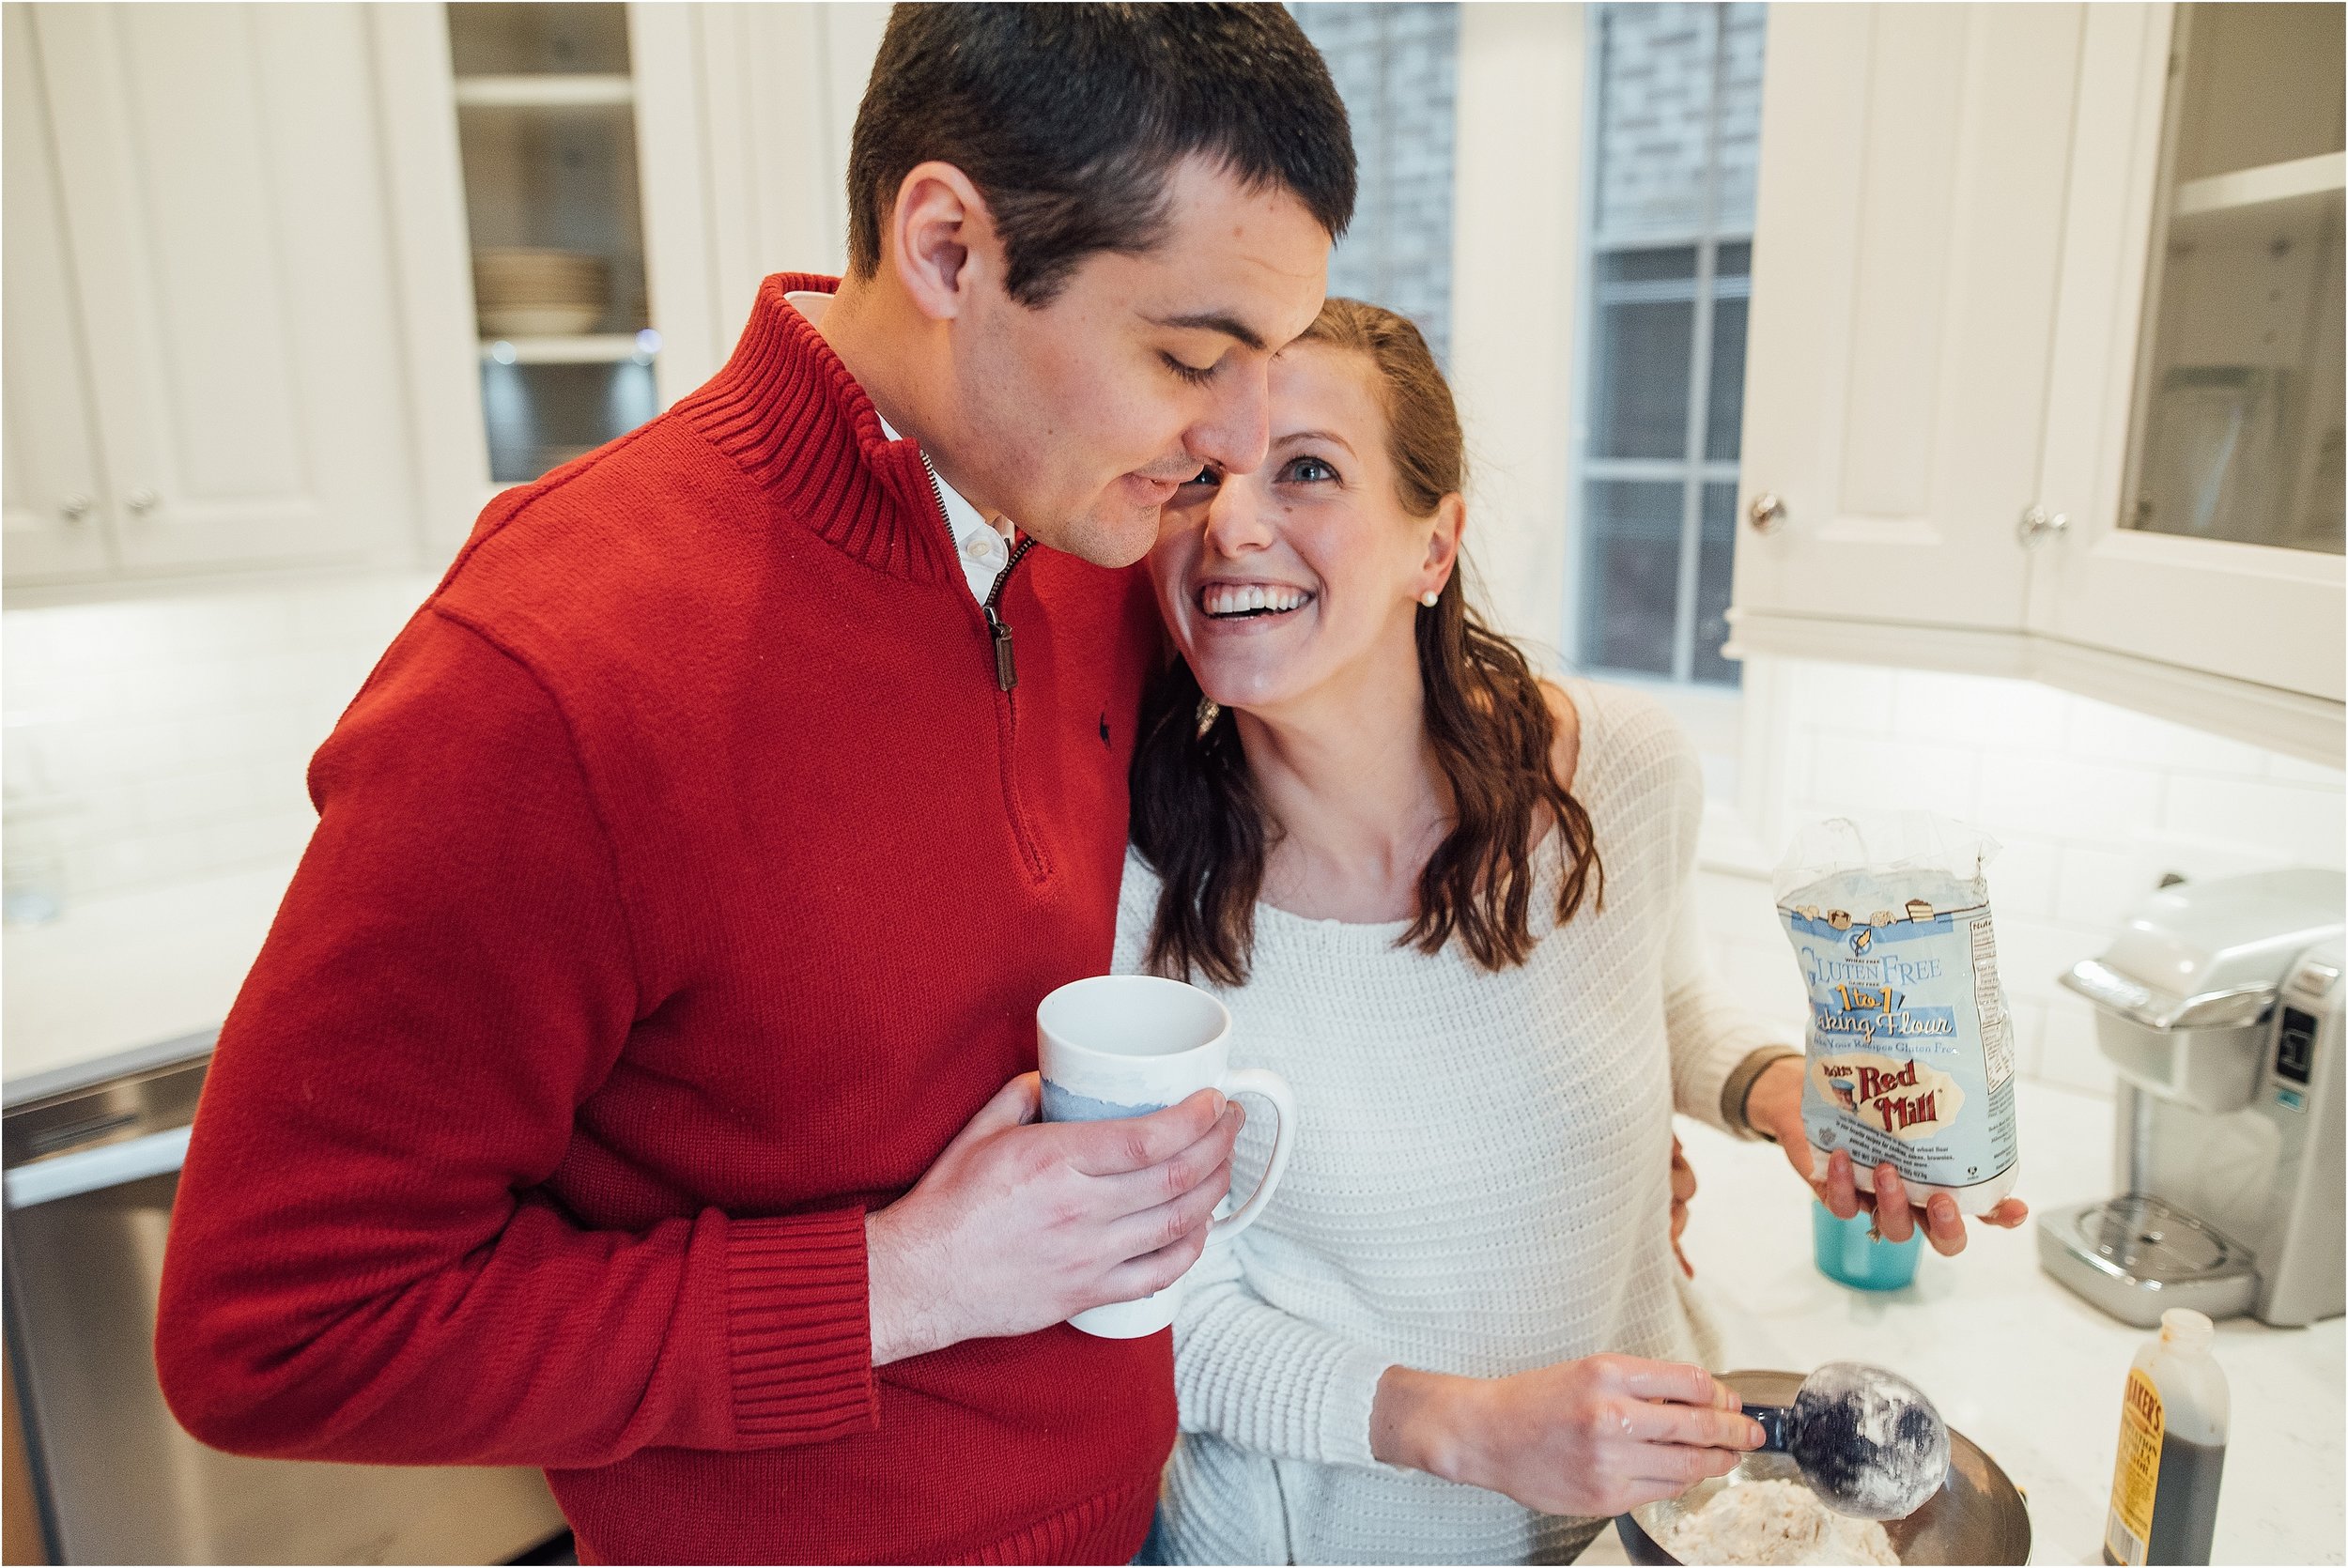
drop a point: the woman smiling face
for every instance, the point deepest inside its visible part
(1307, 570)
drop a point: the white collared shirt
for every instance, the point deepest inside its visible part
(982, 548)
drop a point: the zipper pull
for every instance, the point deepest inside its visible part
(1006, 668)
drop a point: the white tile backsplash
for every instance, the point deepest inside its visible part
(2093, 804)
(2291, 821)
(1968, 711)
(2094, 881)
(150, 740)
(2029, 874)
(1856, 701)
(2063, 798)
(1930, 775)
(2103, 733)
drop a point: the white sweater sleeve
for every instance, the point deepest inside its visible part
(1707, 1032)
(1263, 1379)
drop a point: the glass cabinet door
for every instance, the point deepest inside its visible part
(546, 105)
(2238, 423)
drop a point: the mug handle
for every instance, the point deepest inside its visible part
(1256, 1080)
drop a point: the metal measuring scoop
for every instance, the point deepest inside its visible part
(1869, 1443)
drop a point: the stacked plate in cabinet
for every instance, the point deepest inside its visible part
(522, 291)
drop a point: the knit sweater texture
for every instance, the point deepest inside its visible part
(683, 882)
(1480, 1184)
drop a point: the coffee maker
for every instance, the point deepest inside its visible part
(2219, 1005)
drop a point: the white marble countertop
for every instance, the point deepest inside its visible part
(2029, 1370)
(130, 970)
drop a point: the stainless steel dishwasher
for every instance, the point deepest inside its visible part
(92, 1161)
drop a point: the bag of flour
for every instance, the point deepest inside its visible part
(1911, 1048)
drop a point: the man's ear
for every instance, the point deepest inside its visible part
(941, 240)
(1443, 542)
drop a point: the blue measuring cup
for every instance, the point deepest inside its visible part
(1849, 1255)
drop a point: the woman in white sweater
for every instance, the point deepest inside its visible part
(1450, 905)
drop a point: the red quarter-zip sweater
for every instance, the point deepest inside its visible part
(683, 882)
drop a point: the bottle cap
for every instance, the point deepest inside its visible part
(2187, 1329)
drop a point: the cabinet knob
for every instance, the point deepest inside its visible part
(1766, 513)
(2038, 525)
(73, 508)
(141, 501)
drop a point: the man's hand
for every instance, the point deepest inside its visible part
(1774, 1107)
(1021, 1225)
(1683, 1187)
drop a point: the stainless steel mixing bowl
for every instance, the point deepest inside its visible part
(1978, 1516)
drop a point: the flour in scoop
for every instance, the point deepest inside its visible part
(1775, 1522)
(1869, 1443)
(1910, 1051)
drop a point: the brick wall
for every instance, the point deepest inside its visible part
(1397, 66)
(2091, 802)
(1657, 63)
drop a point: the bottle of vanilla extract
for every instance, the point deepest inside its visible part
(2173, 1446)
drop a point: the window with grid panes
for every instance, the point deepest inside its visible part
(1676, 96)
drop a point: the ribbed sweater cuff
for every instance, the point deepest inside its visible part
(1701, 1094)
(798, 1327)
(1348, 1391)
(1737, 1088)
(1728, 1035)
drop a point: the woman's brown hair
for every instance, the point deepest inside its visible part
(1201, 826)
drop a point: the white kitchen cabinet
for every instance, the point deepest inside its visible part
(2197, 367)
(47, 464)
(546, 101)
(727, 134)
(217, 174)
(1946, 413)
(755, 104)
(241, 331)
(1905, 246)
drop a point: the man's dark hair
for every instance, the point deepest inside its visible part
(1070, 118)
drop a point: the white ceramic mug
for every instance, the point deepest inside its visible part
(1125, 1045)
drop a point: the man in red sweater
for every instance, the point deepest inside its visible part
(636, 1080)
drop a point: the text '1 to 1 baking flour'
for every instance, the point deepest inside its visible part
(1910, 1059)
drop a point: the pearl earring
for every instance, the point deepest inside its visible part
(1209, 711)
(1429, 597)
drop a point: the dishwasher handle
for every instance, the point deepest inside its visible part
(69, 1176)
